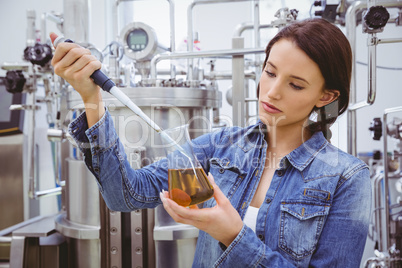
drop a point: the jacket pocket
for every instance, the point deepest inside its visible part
(300, 226)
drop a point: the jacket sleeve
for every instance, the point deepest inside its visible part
(122, 187)
(247, 250)
(341, 243)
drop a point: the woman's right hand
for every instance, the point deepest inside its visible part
(75, 64)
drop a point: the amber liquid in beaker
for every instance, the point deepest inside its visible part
(187, 188)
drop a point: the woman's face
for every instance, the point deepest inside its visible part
(290, 86)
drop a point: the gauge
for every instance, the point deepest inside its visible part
(140, 41)
(137, 40)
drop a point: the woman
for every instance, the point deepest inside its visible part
(284, 196)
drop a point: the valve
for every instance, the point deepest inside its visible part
(376, 128)
(284, 16)
(394, 129)
(15, 81)
(40, 54)
(376, 17)
(328, 10)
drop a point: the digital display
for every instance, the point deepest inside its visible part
(137, 40)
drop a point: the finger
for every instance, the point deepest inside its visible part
(74, 55)
(171, 207)
(165, 193)
(219, 195)
(194, 207)
(68, 61)
(53, 36)
(86, 61)
(211, 178)
(62, 51)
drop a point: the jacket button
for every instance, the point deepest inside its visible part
(261, 237)
(244, 205)
(96, 169)
(95, 137)
(222, 170)
(268, 200)
(280, 173)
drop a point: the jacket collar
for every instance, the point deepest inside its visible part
(302, 156)
(299, 158)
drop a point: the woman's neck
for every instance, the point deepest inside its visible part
(283, 140)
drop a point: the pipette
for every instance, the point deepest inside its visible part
(108, 85)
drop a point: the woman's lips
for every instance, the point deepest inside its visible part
(270, 108)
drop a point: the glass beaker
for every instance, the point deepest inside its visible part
(188, 183)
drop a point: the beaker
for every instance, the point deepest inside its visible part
(188, 183)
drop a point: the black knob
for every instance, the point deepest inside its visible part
(376, 128)
(15, 81)
(376, 17)
(317, 3)
(40, 54)
(377, 155)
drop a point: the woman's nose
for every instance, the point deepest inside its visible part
(274, 89)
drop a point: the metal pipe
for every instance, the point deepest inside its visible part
(257, 57)
(369, 261)
(248, 26)
(49, 192)
(389, 40)
(31, 39)
(44, 17)
(31, 147)
(372, 74)
(190, 27)
(350, 20)
(76, 20)
(377, 209)
(17, 226)
(372, 69)
(172, 36)
(256, 15)
(6, 239)
(228, 75)
(202, 54)
(386, 184)
(31, 28)
(372, 65)
(111, 21)
(239, 94)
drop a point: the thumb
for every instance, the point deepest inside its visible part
(218, 194)
(53, 36)
(211, 178)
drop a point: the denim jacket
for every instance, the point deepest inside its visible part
(316, 210)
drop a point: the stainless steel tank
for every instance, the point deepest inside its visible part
(174, 244)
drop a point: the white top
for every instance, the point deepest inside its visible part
(250, 219)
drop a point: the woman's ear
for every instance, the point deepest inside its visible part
(327, 97)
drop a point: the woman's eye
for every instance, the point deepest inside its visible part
(270, 74)
(296, 87)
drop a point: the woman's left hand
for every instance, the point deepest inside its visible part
(222, 221)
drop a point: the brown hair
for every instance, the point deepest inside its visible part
(329, 48)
